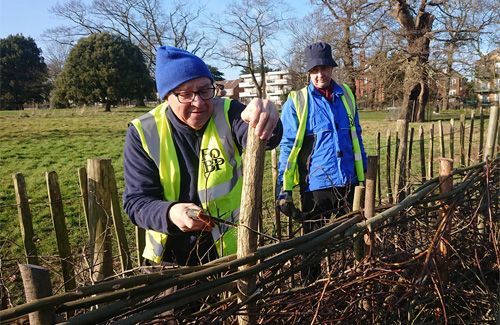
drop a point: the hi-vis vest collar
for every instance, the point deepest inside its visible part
(300, 101)
(219, 172)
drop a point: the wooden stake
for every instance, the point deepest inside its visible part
(388, 167)
(492, 134)
(25, 220)
(358, 241)
(82, 177)
(421, 141)
(36, 282)
(441, 138)
(430, 169)
(471, 135)
(452, 139)
(462, 140)
(481, 134)
(274, 169)
(445, 185)
(251, 208)
(370, 186)
(59, 222)
(379, 185)
(400, 176)
(99, 218)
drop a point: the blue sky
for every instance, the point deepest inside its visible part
(32, 18)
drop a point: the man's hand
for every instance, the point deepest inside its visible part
(262, 115)
(178, 214)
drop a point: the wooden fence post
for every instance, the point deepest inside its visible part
(140, 242)
(441, 139)
(445, 185)
(421, 141)
(400, 177)
(481, 134)
(101, 254)
(121, 237)
(274, 169)
(410, 152)
(251, 208)
(379, 186)
(59, 222)
(358, 241)
(388, 167)
(452, 139)
(36, 282)
(492, 134)
(84, 191)
(471, 135)
(430, 169)
(370, 186)
(25, 220)
(462, 139)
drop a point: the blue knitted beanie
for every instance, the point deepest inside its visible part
(176, 66)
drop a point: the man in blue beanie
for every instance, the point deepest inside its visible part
(321, 149)
(182, 161)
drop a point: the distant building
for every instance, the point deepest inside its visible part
(456, 86)
(278, 85)
(487, 78)
(231, 88)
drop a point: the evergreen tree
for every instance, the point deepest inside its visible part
(23, 72)
(103, 68)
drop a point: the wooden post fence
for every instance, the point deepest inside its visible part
(101, 255)
(59, 222)
(251, 208)
(462, 140)
(421, 141)
(400, 177)
(430, 161)
(492, 134)
(445, 185)
(369, 209)
(121, 238)
(388, 167)
(274, 169)
(471, 135)
(25, 219)
(36, 282)
(358, 240)
(84, 191)
(452, 139)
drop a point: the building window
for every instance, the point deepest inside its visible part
(453, 92)
(453, 81)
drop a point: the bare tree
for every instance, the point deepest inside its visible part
(460, 23)
(144, 22)
(353, 21)
(246, 30)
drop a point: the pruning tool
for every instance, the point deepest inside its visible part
(209, 220)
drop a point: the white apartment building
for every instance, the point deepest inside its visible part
(278, 84)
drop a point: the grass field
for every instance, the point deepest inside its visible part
(36, 141)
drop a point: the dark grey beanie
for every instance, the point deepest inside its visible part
(318, 54)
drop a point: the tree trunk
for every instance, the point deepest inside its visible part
(108, 106)
(417, 33)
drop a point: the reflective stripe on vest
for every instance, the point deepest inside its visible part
(219, 172)
(300, 101)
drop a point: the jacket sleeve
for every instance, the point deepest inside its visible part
(143, 196)
(290, 126)
(240, 128)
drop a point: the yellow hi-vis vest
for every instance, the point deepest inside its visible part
(219, 173)
(300, 101)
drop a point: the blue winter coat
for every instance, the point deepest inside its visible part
(326, 159)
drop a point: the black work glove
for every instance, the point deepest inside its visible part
(284, 202)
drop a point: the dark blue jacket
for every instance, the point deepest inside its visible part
(143, 196)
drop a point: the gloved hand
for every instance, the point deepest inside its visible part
(284, 202)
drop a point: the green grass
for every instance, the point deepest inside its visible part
(36, 141)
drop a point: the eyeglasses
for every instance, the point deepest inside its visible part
(186, 97)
